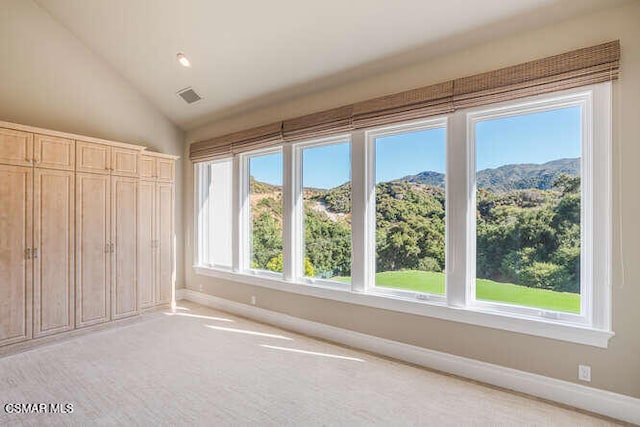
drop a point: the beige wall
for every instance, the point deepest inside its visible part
(616, 368)
(49, 79)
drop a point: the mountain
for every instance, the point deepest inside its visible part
(510, 177)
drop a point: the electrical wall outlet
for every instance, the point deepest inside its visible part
(584, 373)
(253, 300)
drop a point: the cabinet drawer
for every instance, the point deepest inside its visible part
(54, 153)
(16, 148)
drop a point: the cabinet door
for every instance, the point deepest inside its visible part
(15, 248)
(146, 243)
(16, 148)
(92, 157)
(53, 252)
(166, 169)
(125, 241)
(93, 255)
(164, 215)
(124, 162)
(54, 153)
(147, 166)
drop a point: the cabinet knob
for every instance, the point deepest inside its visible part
(35, 253)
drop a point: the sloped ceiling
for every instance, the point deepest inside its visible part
(246, 54)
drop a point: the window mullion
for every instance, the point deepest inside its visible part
(240, 241)
(291, 208)
(459, 202)
(362, 207)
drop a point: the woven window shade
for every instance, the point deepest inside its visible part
(209, 150)
(227, 145)
(412, 104)
(320, 124)
(580, 67)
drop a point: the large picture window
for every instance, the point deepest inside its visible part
(215, 210)
(496, 215)
(410, 179)
(326, 202)
(528, 202)
(265, 216)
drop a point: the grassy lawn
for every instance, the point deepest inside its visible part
(433, 283)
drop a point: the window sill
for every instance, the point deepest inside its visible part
(540, 327)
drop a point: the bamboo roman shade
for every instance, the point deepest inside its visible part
(318, 124)
(237, 142)
(408, 105)
(580, 67)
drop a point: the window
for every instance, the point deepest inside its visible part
(265, 216)
(215, 211)
(326, 203)
(528, 208)
(484, 211)
(410, 198)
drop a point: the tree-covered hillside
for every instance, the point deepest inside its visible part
(528, 226)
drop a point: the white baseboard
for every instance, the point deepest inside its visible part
(181, 294)
(587, 398)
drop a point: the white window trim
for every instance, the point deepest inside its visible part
(202, 184)
(595, 279)
(370, 229)
(459, 304)
(244, 208)
(296, 257)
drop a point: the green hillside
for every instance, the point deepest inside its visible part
(527, 240)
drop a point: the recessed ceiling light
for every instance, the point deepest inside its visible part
(183, 60)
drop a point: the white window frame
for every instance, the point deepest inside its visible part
(202, 185)
(244, 219)
(595, 202)
(297, 254)
(593, 327)
(370, 249)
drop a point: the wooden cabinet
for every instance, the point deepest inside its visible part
(16, 147)
(15, 253)
(92, 157)
(164, 243)
(157, 166)
(156, 243)
(93, 249)
(147, 231)
(106, 159)
(53, 251)
(124, 237)
(124, 162)
(166, 169)
(148, 166)
(83, 240)
(54, 152)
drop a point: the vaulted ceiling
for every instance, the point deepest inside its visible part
(248, 53)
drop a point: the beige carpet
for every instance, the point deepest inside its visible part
(203, 367)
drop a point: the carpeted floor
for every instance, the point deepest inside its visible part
(203, 367)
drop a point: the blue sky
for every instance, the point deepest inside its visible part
(530, 138)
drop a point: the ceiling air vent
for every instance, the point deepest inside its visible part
(189, 95)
